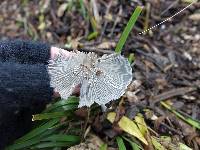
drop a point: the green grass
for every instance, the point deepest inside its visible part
(103, 147)
(120, 143)
(128, 29)
(189, 120)
(134, 145)
(48, 132)
(83, 10)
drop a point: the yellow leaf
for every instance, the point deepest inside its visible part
(61, 10)
(141, 124)
(42, 26)
(111, 116)
(130, 127)
(183, 147)
(156, 144)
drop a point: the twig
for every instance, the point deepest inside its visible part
(171, 93)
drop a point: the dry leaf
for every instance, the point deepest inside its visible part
(62, 9)
(111, 116)
(130, 127)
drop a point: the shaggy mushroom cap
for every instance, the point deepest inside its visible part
(102, 79)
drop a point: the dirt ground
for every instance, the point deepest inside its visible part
(167, 59)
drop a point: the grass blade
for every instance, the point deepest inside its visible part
(49, 115)
(189, 120)
(28, 143)
(133, 144)
(120, 143)
(55, 138)
(92, 35)
(72, 101)
(128, 29)
(51, 144)
(22, 145)
(103, 147)
(131, 58)
(38, 130)
(63, 138)
(83, 10)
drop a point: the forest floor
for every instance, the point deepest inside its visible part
(167, 59)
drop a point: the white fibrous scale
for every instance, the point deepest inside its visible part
(102, 79)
